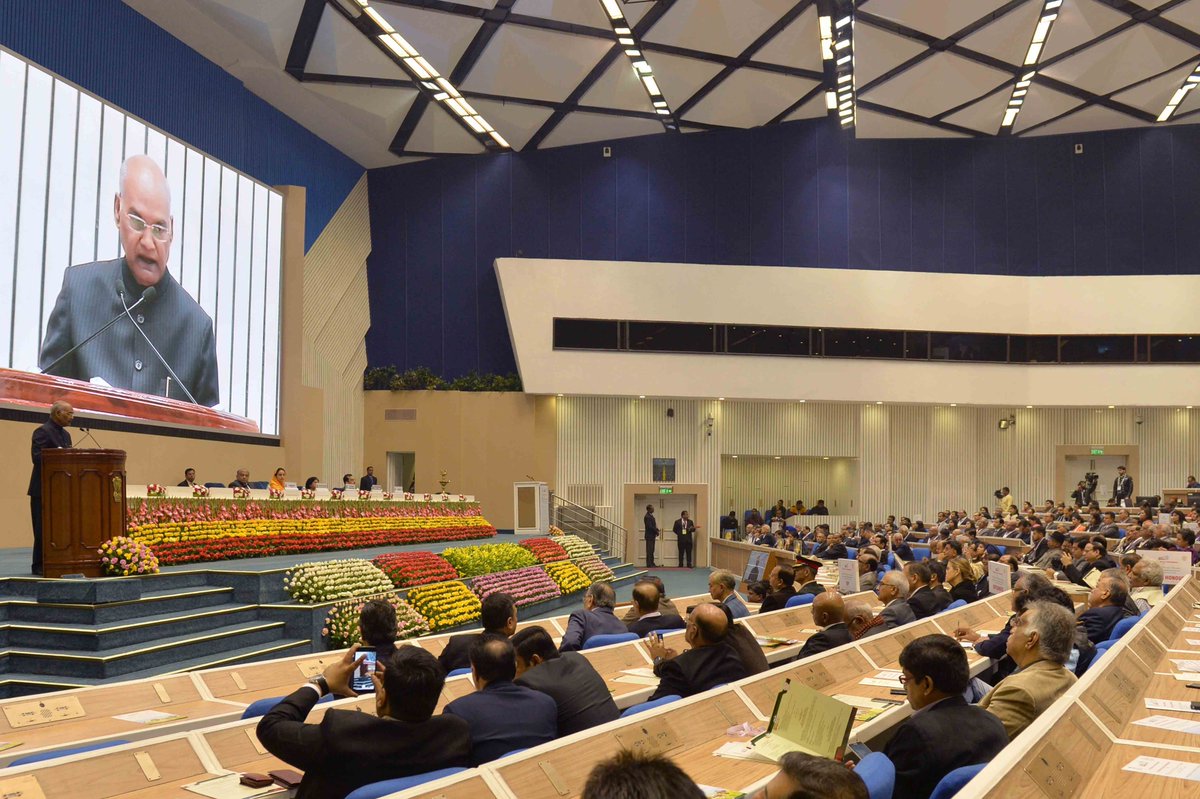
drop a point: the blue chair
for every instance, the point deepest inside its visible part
(920, 553)
(891, 560)
(378, 789)
(644, 706)
(1123, 626)
(459, 672)
(798, 600)
(259, 707)
(955, 605)
(261, 484)
(1002, 549)
(955, 781)
(852, 552)
(879, 774)
(214, 485)
(75, 750)
(606, 640)
(1101, 649)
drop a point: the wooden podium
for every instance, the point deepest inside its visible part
(83, 505)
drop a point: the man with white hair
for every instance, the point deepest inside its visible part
(93, 293)
(893, 593)
(1146, 584)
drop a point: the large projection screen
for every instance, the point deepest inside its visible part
(61, 151)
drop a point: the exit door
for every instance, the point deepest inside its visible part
(667, 509)
(1105, 466)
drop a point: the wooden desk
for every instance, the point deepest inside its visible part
(1012, 546)
(471, 784)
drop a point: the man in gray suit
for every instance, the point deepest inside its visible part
(893, 593)
(92, 294)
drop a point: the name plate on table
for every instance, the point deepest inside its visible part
(654, 737)
(311, 668)
(24, 787)
(30, 714)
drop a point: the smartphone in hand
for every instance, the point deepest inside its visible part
(361, 681)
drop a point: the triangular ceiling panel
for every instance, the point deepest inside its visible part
(527, 62)
(1187, 15)
(441, 38)
(1078, 22)
(440, 132)
(813, 109)
(577, 12)
(1095, 117)
(680, 77)
(717, 26)
(1152, 95)
(618, 87)
(1121, 60)
(798, 45)
(1042, 104)
(940, 82)
(515, 122)
(871, 125)
(749, 97)
(877, 51)
(581, 127)
(341, 49)
(1008, 37)
(377, 110)
(985, 115)
(940, 18)
(265, 25)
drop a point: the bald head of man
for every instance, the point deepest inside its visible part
(828, 608)
(707, 626)
(142, 211)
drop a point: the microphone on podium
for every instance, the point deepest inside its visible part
(147, 296)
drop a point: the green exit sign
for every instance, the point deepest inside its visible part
(666, 489)
(1097, 451)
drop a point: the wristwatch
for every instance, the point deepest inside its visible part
(321, 683)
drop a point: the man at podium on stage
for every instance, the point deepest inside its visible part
(51, 435)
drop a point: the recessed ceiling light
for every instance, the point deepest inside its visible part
(560, 395)
(1028, 407)
(1111, 407)
(734, 457)
(776, 457)
(825, 458)
(801, 400)
(720, 399)
(1189, 407)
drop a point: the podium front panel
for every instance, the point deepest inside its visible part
(83, 505)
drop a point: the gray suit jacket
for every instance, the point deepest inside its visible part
(897, 613)
(175, 322)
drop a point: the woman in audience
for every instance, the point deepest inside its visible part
(959, 576)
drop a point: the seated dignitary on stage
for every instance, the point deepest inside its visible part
(893, 593)
(242, 480)
(722, 587)
(809, 777)
(502, 715)
(944, 732)
(626, 775)
(596, 618)
(710, 661)
(93, 293)
(862, 621)
(665, 606)
(829, 613)
(189, 478)
(349, 749)
(568, 678)
(783, 588)
(498, 615)
(1039, 642)
(645, 599)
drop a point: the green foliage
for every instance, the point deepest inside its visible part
(488, 559)
(387, 378)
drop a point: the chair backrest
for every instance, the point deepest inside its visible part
(953, 782)
(459, 672)
(958, 603)
(605, 640)
(75, 750)
(1123, 626)
(1101, 648)
(260, 484)
(920, 553)
(891, 560)
(852, 552)
(644, 706)
(259, 707)
(378, 789)
(214, 485)
(879, 774)
(799, 599)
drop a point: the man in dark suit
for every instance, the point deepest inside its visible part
(685, 538)
(651, 534)
(1095, 557)
(1122, 488)
(349, 749)
(902, 550)
(596, 618)
(937, 576)
(1037, 537)
(189, 478)
(242, 480)
(1106, 607)
(665, 606)
(783, 588)
(944, 732)
(369, 480)
(829, 613)
(722, 587)
(923, 601)
(806, 574)
(92, 294)
(502, 715)
(893, 593)
(710, 661)
(834, 549)
(568, 678)
(51, 435)
(645, 599)
(498, 615)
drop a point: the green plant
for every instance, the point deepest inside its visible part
(379, 377)
(341, 625)
(422, 378)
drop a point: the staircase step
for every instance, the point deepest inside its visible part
(285, 647)
(152, 603)
(94, 638)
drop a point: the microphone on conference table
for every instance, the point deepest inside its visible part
(148, 296)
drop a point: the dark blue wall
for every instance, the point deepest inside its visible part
(117, 54)
(801, 194)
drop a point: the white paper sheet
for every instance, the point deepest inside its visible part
(739, 750)
(1187, 665)
(632, 680)
(1178, 705)
(865, 702)
(1168, 723)
(888, 678)
(1164, 768)
(230, 787)
(647, 672)
(148, 717)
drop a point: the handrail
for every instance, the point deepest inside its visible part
(585, 509)
(592, 527)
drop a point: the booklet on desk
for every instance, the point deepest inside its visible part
(807, 721)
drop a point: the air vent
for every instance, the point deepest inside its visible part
(400, 415)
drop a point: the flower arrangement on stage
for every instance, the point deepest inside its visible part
(576, 547)
(594, 568)
(427, 497)
(409, 496)
(445, 497)
(199, 490)
(308, 493)
(488, 559)
(241, 493)
(336, 493)
(329, 580)
(555, 530)
(364, 494)
(341, 625)
(525, 586)
(122, 556)
(388, 496)
(406, 569)
(445, 605)
(545, 550)
(155, 490)
(274, 493)
(568, 576)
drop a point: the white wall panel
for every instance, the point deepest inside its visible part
(758, 481)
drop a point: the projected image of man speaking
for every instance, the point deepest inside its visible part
(163, 345)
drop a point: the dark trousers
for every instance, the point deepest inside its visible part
(650, 551)
(35, 511)
(686, 545)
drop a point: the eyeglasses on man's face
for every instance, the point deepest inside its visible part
(159, 233)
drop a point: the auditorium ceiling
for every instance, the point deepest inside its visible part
(388, 81)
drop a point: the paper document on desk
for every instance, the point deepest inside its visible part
(719, 793)
(1187, 665)
(640, 673)
(230, 787)
(769, 642)
(632, 680)
(1177, 705)
(741, 750)
(808, 721)
(1164, 768)
(1168, 723)
(888, 678)
(149, 717)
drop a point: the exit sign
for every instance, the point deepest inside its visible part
(666, 489)
(1097, 451)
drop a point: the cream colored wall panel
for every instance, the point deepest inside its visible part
(789, 428)
(758, 481)
(1164, 449)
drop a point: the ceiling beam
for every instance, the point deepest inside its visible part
(305, 35)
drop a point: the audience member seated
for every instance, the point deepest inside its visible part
(582, 696)
(498, 615)
(868, 564)
(944, 732)
(1146, 582)
(645, 599)
(893, 593)
(189, 478)
(834, 549)
(502, 715)
(627, 775)
(829, 613)
(1040, 642)
(937, 576)
(1037, 536)
(242, 480)
(710, 661)
(596, 618)
(757, 592)
(349, 749)
(805, 571)
(958, 577)
(819, 509)
(1106, 607)
(744, 641)
(377, 626)
(922, 600)
(1037, 587)
(665, 606)
(803, 776)
(722, 587)
(783, 588)
(1055, 542)
(1096, 560)
(862, 621)
(902, 550)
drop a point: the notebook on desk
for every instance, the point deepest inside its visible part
(807, 721)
